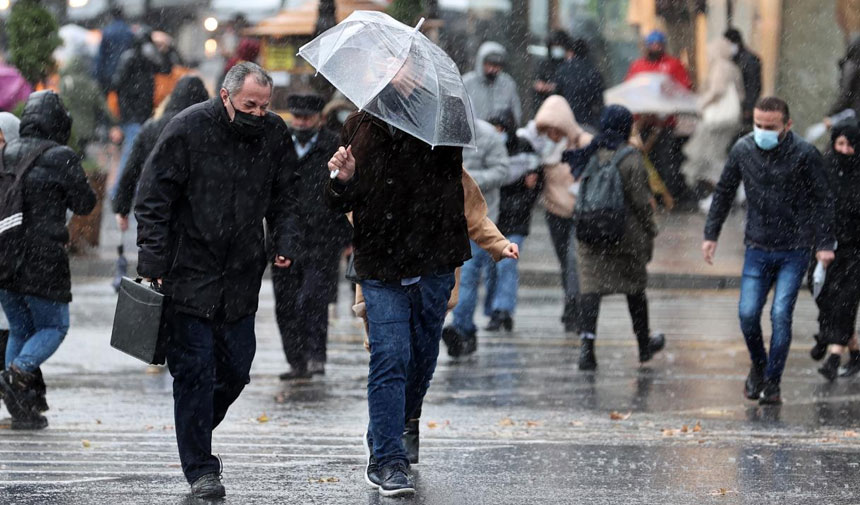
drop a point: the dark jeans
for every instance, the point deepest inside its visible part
(405, 326)
(667, 157)
(562, 234)
(302, 294)
(637, 304)
(782, 270)
(210, 362)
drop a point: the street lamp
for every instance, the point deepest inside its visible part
(4, 4)
(76, 4)
(211, 24)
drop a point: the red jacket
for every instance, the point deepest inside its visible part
(665, 65)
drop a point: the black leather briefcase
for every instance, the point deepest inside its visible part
(141, 324)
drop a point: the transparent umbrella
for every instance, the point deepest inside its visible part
(395, 73)
(652, 93)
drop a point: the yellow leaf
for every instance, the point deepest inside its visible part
(684, 429)
(668, 433)
(263, 418)
(86, 443)
(507, 422)
(698, 427)
(432, 425)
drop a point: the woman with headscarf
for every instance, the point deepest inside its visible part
(189, 90)
(840, 295)
(617, 266)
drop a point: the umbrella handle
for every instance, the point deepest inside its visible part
(418, 26)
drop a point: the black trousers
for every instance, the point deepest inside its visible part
(637, 304)
(210, 362)
(667, 157)
(302, 295)
(560, 233)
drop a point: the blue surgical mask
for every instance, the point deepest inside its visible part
(765, 139)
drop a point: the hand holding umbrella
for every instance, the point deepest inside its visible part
(342, 164)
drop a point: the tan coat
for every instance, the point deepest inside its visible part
(557, 179)
(481, 229)
(620, 268)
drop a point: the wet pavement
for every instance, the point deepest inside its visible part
(515, 424)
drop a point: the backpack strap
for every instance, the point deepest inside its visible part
(623, 153)
(28, 159)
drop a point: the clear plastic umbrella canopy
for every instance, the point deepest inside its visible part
(395, 73)
(652, 93)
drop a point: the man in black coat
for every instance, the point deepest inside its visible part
(219, 168)
(580, 83)
(750, 66)
(302, 293)
(35, 283)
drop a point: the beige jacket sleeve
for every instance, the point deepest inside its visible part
(481, 229)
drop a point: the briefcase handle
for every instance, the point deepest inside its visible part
(154, 285)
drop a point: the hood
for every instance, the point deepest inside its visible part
(556, 113)
(720, 49)
(189, 91)
(486, 49)
(9, 125)
(45, 117)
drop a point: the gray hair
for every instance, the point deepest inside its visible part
(235, 78)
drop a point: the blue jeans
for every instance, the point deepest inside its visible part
(129, 133)
(37, 327)
(405, 326)
(210, 362)
(470, 279)
(783, 270)
(503, 282)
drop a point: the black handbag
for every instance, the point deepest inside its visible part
(141, 324)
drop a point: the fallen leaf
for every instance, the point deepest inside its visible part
(507, 422)
(577, 423)
(701, 441)
(324, 480)
(722, 492)
(850, 434)
(615, 416)
(698, 427)
(432, 425)
(263, 418)
(174, 465)
(668, 433)
(86, 443)
(98, 421)
(532, 424)
(684, 429)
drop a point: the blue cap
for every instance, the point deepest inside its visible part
(655, 37)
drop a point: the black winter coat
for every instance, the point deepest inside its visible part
(789, 203)
(324, 232)
(517, 200)
(844, 176)
(581, 84)
(134, 83)
(204, 193)
(407, 203)
(55, 183)
(188, 91)
(750, 67)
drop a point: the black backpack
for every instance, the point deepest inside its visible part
(600, 214)
(12, 206)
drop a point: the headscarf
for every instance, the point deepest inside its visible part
(616, 123)
(852, 133)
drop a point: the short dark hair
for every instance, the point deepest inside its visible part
(734, 36)
(773, 104)
(116, 12)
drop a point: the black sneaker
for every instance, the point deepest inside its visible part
(819, 349)
(830, 368)
(371, 470)
(655, 344)
(29, 423)
(853, 365)
(770, 394)
(208, 487)
(500, 319)
(396, 481)
(458, 343)
(296, 373)
(411, 440)
(754, 383)
(587, 359)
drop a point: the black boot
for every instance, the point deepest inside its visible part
(571, 315)
(297, 372)
(770, 394)
(819, 349)
(754, 383)
(648, 348)
(830, 368)
(18, 389)
(853, 365)
(41, 390)
(411, 440)
(496, 320)
(587, 360)
(458, 343)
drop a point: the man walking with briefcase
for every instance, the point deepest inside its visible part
(218, 169)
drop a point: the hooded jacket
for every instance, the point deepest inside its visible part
(203, 195)
(188, 91)
(789, 203)
(55, 182)
(9, 125)
(849, 81)
(491, 97)
(581, 84)
(488, 164)
(557, 179)
(844, 176)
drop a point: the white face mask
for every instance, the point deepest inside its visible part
(557, 52)
(735, 49)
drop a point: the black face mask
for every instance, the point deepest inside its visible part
(303, 136)
(245, 124)
(654, 55)
(491, 77)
